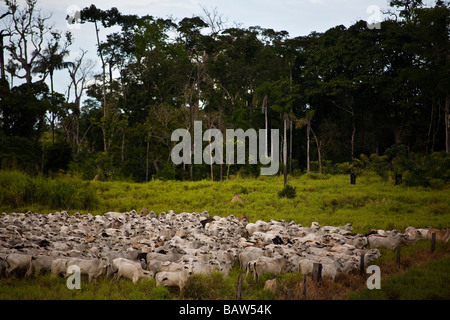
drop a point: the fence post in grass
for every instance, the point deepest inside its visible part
(304, 285)
(290, 294)
(352, 177)
(317, 273)
(361, 264)
(397, 256)
(433, 242)
(239, 287)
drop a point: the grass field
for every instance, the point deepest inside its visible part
(329, 199)
(421, 275)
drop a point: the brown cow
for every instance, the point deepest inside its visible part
(441, 235)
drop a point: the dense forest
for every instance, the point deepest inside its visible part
(358, 96)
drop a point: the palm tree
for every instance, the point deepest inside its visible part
(49, 60)
(12, 69)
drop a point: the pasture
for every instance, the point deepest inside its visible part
(327, 199)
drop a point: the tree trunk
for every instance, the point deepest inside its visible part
(210, 158)
(105, 111)
(52, 112)
(103, 69)
(123, 146)
(290, 146)
(353, 140)
(308, 130)
(398, 135)
(2, 58)
(319, 154)
(146, 160)
(285, 149)
(264, 110)
(447, 122)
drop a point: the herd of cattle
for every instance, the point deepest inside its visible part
(170, 247)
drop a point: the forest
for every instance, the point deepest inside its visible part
(358, 97)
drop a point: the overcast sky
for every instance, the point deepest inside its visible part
(298, 17)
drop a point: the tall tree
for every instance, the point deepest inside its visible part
(431, 35)
(50, 59)
(27, 28)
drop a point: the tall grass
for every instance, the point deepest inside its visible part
(19, 191)
(329, 199)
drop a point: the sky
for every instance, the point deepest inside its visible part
(298, 17)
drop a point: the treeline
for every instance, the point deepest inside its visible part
(334, 96)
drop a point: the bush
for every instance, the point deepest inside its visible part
(18, 190)
(288, 192)
(160, 293)
(15, 188)
(415, 169)
(204, 287)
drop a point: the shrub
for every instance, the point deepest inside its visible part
(15, 188)
(18, 190)
(160, 293)
(204, 287)
(288, 192)
(431, 170)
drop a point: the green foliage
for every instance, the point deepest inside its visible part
(419, 283)
(355, 89)
(160, 293)
(431, 170)
(202, 287)
(19, 190)
(58, 157)
(288, 192)
(328, 199)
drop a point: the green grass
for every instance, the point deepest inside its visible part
(428, 282)
(329, 199)
(421, 276)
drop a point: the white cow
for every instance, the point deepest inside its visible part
(40, 263)
(173, 279)
(412, 235)
(132, 271)
(59, 266)
(93, 268)
(118, 262)
(390, 241)
(206, 268)
(266, 264)
(251, 253)
(18, 262)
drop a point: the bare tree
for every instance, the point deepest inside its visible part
(79, 71)
(3, 33)
(27, 28)
(216, 22)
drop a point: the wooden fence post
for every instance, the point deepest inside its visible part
(239, 287)
(317, 273)
(397, 256)
(361, 264)
(433, 242)
(304, 285)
